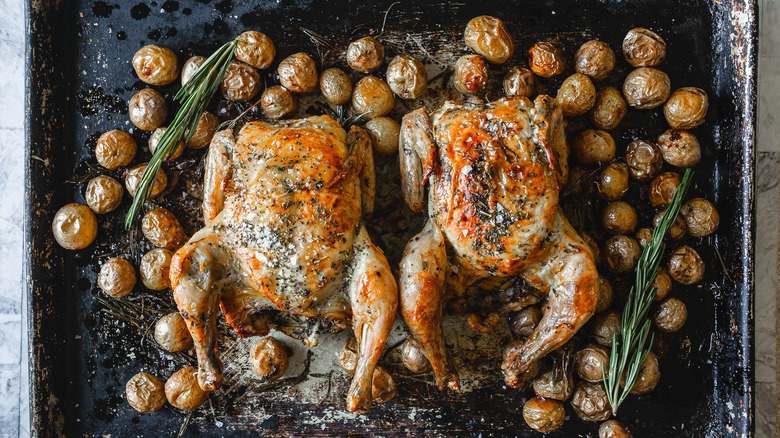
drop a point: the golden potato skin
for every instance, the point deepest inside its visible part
(155, 138)
(686, 108)
(191, 66)
(644, 48)
(644, 160)
(608, 109)
(590, 361)
(255, 49)
(554, 384)
(241, 82)
(147, 109)
(489, 37)
(413, 358)
(648, 375)
(544, 415)
(156, 65)
(471, 74)
(384, 131)
(117, 277)
(145, 393)
(576, 95)
(407, 77)
(336, 86)
(646, 88)
(372, 97)
(592, 147)
(679, 148)
(662, 189)
(277, 102)
(204, 130)
(590, 402)
(115, 149)
(268, 359)
(670, 315)
(619, 217)
(182, 389)
(162, 229)
(678, 228)
(520, 82)
(298, 73)
(348, 355)
(546, 60)
(643, 236)
(662, 283)
(612, 182)
(133, 180)
(604, 326)
(171, 333)
(365, 55)
(685, 266)
(605, 295)
(155, 269)
(383, 387)
(104, 194)
(595, 59)
(620, 254)
(74, 226)
(701, 217)
(614, 429)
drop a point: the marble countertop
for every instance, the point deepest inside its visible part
(14, 411)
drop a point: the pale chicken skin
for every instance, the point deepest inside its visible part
(284, 206)
(494, 172)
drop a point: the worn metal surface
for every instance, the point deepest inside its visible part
(80, 78)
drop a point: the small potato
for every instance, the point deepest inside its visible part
(104, 194)
(646, 88)
(74, 226)
(407, 77)
(621, 254)
(576, 95)
(614, 429)
(648, 375)
(662, 189)
(592, 362)
(590, 402)
(605, 326)
(277, 102)
(619, 218)
(256, 49)
(155, 269)
(413, 358)
(685, 266)
(662, 284)
(544, 415)
(384, 131)
(686, 108)
(298, 73)
(520, 82)
(643, 236)
(644, 48)
(204, 130)
(372, 97)
(612, 182)
(191, 66)
(365, 55)
(268, 359)
(241, 82)
(701, 217)
(524, 322)
(183, 391)
(608, 110)
(336, 86)
(605, 295)
(471, 74)
(115, 149)
(147, 109)
(545, 59)
(488, 37)
(592, 147)
(679, 148)
(348, 356)
(678, 228)
(644, 160)
(555, 384)
(156, 65)
(133, 180)
(155, 138)
(145, 393)
(117, 277)
(670, 315)
(162, 228)
(382, 386)
(593, 246)
(171, 333)
(595, 59)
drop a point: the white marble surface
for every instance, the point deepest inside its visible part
(14, 418)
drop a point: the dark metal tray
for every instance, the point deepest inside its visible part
(79, 77)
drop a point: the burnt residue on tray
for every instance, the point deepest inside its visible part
(78, 87)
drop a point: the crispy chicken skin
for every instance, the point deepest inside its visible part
(283, 206)
(494, 172)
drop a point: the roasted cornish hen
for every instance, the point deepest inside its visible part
(494, 172)
(283, 207)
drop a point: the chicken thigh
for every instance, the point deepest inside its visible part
(283, 207)
(494, 172)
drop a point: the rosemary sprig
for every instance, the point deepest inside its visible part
(194, 96)
(632, 344)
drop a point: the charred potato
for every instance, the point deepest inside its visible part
(644, 48)
(191, 66)
(384, 131)
(413, 358)
(488, 37)
(365, 55)
(183, 391)
(117, 277)
(685, 266)
(155, 269)
(471, 74)
(612, 182)
(545, 59)
(662, 189)
(595, 59)
(298, 73)
(407, 77)
(156, 65)
(372, 97)
(592, 362)
(277, 102)
(646, 88)
(608, 110)
(679, 148)
(544, 415)
(147, 109)
(644, 160)
(255, 49)
(336, 86)
(576, 95)
(592, 147)
(155, 138)
(115, 149)
(701, 217)
(604, 327)
(670, 315)
(268, 359)
(162, 228)
(104, 194)
(520, 82)
(241, 82)
(145, 393)
(133, 180)
(621, 254)
(686, 108)
(74, 226)
(171, 333)
(590, 402)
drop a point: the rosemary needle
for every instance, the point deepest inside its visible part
(194, 96)
(632, 344)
